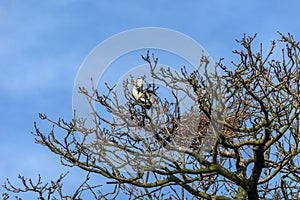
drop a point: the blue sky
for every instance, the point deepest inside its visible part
(43, 43)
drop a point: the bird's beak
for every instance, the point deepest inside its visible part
(133, 82)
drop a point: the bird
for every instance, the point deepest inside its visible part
(145, 97)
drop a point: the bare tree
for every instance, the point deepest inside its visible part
(239, 139)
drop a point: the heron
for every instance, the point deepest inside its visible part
(144, 96)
